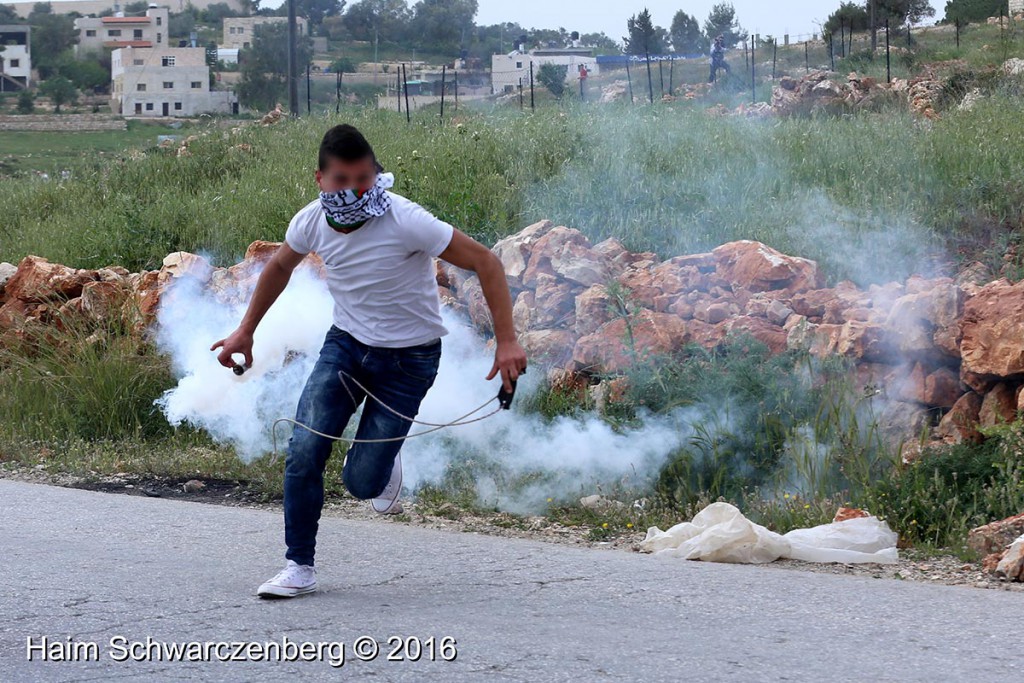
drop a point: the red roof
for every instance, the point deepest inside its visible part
(125, 20)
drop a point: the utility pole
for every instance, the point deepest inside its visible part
(293, 63)
(874, 29)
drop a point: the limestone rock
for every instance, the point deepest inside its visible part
(615, 347)
(757, 267)
(993, 326)
(995, 536)
(960, 424)
(514, 251)
(548, 348)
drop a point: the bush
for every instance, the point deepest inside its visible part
(787, 422)
(947, 491)
(552, 77)
(26, 102)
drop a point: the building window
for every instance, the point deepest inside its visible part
(90, 33)
(114, 33)
(15, 63)
(197, 84)
(167, 61)
(177, 106)
(519, 65)
(149, 106)
(231, 30)
(168, 85)
(241, 30)
(159, 21)
(138, 62)
(159, 37)
(137, 34)
(138, 107)
(141, 87)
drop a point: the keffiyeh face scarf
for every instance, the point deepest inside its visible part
(347, 207)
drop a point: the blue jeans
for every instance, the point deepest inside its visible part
(399, 377)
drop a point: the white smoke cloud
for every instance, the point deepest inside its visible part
(565, 458)
(238, 410)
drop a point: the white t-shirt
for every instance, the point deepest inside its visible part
(382, 275)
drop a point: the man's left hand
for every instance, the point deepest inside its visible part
(510, 360)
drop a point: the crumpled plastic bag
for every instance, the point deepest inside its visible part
(720, 533)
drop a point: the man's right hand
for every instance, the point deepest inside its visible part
(239, 341)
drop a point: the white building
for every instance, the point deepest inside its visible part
(1016, 6)
(15, 58)
(239, 31)
(87, 7)
(175, 81)
(507, 70)
(96, 33)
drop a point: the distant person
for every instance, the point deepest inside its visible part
(718, 58)
(378, 249)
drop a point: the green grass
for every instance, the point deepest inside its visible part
(52, 152)
(871, 197)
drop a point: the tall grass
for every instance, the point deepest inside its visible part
(871, 197)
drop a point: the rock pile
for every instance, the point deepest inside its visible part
(944, 353)
(37, 294)
(819, 92)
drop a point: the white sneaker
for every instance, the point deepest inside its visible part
(294, 579)
(387, 503)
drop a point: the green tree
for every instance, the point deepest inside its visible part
(968, 11)
(386, 20)
(494, 39)
(900, 11)
(343, 64)
(849, 14)
(26, 102)
(53, 36)
(443, 25)
(39, 9)
(602, 43)
(644, 36)
(217, 12)
(686, 35)
(722, 21)
(9, 16)
(86, 74)
(552, 77)
(138, 7)
(265, 66)
(181, 24)
(317, 10)
(60, 90)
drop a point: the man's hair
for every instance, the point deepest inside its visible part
(346, 143)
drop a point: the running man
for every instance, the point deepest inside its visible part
(378, 249)
(718, 58)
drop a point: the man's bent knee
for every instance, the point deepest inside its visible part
(366, 484)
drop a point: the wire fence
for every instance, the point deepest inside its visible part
(754, 64)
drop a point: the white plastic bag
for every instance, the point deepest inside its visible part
(720, 533)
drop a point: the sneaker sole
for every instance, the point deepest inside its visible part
(278, 592)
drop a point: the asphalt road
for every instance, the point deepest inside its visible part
(123, 571)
